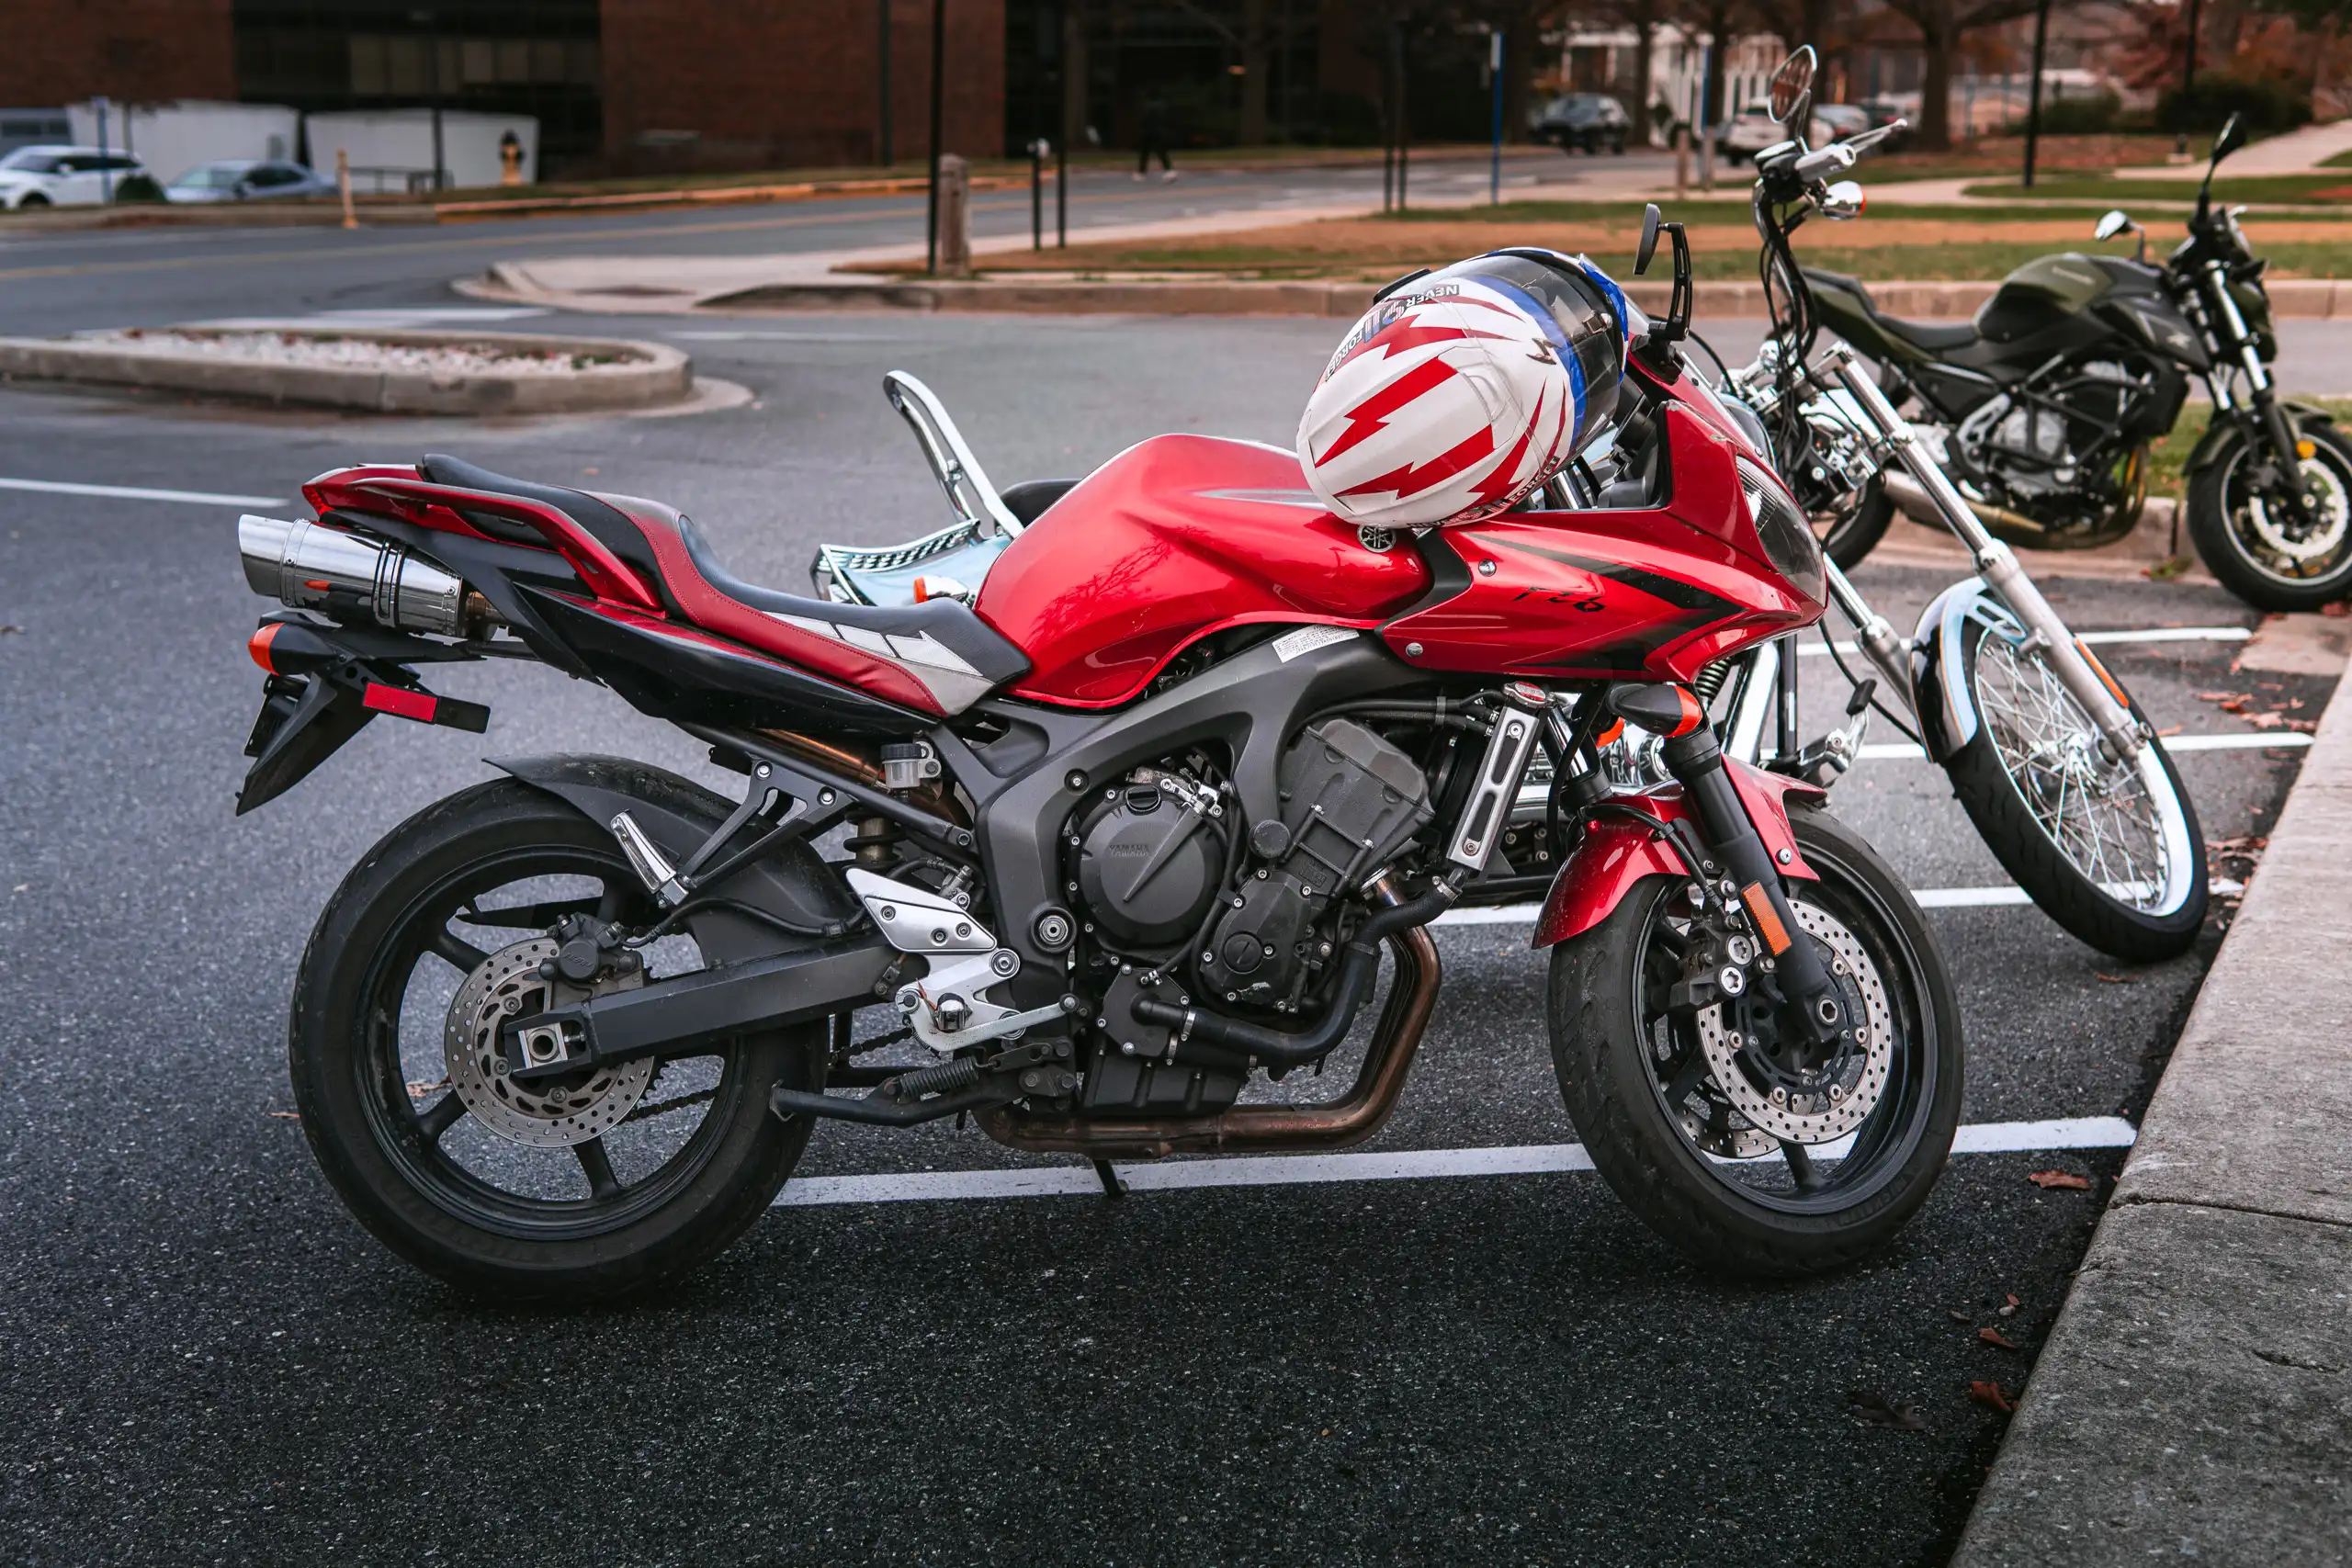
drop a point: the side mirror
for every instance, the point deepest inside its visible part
(2233, 137)
(1792, 86)
(2115, 223)
(1648, 246)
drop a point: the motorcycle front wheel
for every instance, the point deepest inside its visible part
(2110, 850)
(588, 1186)
(2264, 562)
(1715, 1125)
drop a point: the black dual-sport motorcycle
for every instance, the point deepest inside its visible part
(2047, 402)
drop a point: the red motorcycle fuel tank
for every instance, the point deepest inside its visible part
(1181, 535)
(1174, 538)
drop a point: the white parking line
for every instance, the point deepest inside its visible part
(1904, 751)
(1412, 1165)
(2140, 634)
(133, 492)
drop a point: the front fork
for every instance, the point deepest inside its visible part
(2228, 322)
(1736, 872)
(1995, 562)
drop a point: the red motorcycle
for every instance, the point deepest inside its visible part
(1128, 823)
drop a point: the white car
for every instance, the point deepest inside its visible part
(247, 180)
(1750, 130)
(64, 176)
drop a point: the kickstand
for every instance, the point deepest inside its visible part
(1112, 1187)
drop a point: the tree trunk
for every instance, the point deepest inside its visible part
(1720, 37)
(1816, 28)
(1938, 42)
(1518, 63)
(1256, 67)
(1074, 74)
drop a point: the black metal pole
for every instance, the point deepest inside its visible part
(1037, 194)
(2189, 67)
(938, 102)
(1061, 193)
(2033, 92)
(1404, 118)
(882, 87)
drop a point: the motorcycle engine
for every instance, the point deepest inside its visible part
(2027, 447)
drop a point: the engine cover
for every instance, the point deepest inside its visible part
(1350, 801)
(1150, 859)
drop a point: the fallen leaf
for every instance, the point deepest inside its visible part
(1993, 1395)
(2114, 979)
(419, 1088)
(2065, 1179)
(12, 631)
(2237, 705)
(2221, 696)
(2012, 1307)
(2167, 569)
(1955, 1314)
(1994, 1336)
(2338, 608)
(1874, 1410)
(288, 1115)
(2169, 729)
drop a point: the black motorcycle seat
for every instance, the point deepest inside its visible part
(1933, 337)
(609, 524)
(949, 623)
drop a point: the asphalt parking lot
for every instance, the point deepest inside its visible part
(208, 1361)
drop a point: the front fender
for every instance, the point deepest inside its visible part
(1946, 709)
(1616, 852)
(2222, 435)
(793, 883)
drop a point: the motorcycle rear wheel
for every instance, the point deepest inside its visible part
(2256, 561)
(448, 1184)
(2113, 855)
(1630, 1073)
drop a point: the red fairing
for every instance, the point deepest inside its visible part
(1616, 853)
(1658, 593)
(1176, 537)
(400, 492)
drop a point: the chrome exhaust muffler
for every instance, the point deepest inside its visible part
(311, 567)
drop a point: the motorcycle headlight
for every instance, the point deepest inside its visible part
(1788, 539)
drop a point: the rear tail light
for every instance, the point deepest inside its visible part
(314, 567)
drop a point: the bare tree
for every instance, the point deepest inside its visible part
(1256, 37)
(1942, 24)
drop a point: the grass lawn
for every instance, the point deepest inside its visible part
(1891, 242)
(2313, 189)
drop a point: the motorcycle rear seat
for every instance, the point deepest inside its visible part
(886, 575)
(915, 633)
(1934, 337)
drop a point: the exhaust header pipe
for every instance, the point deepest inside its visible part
(312, 568)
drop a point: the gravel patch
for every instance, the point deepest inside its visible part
(439, 360)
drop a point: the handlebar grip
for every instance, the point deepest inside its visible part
(1835, 158)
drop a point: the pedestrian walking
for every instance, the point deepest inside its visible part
(1155, 139)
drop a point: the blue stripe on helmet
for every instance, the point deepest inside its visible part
(1532, 307)
(1616, 295)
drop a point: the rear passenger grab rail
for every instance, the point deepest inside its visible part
(974, 499)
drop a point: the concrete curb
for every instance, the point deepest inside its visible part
(656, 374)
(214, 215)
(2195, 1396)
(2299, 298)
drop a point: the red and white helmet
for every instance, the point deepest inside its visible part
(1454, 398)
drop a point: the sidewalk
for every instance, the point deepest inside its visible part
(2300, 152)
(2194, 1401)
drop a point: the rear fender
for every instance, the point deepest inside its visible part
(1946, 709)
(1616, 852)
(793, 883)
(2222, 435)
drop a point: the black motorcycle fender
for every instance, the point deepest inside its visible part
(1940, 697)
(793, 885)
(2223, 434)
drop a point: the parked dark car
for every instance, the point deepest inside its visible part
(1587, 120)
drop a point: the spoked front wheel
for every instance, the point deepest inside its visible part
(2110, 850)
(587, 1185)
(1749, 1148)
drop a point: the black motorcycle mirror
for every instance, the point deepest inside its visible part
(2232, 138)
(1793, 88)
(2118, 222)
(1658, 348)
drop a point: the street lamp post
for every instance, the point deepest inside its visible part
(882, 87)
(432, 24)
(2033, 90)
(1495, 70)
(2188, 85)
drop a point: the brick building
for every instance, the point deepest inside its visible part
(618, 84)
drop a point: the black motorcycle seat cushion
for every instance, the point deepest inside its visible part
(1028, 500)
(611, 527)
(1936, 337)
(950, 622)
